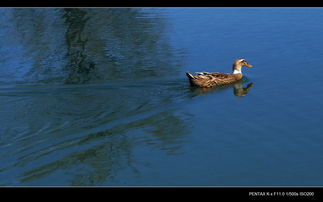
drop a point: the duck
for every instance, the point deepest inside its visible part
(207, 80)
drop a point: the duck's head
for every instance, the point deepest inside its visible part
(238, 64)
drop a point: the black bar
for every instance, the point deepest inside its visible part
(166, 193)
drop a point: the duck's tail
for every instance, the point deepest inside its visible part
(189, 75)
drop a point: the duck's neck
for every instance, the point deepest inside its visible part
(237, 72)
(236, 69)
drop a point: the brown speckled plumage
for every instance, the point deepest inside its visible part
(206, 80)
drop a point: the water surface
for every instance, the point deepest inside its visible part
(99, 97)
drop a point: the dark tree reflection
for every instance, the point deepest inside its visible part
(32, 45)
(113, 151)
(117, 44)
(91, 132)
(85, 45)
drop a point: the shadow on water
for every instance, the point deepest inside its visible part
(238, 89)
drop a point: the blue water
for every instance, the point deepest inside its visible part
(99, 97)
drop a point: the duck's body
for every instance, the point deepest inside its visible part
(206, 80)
(212, 79)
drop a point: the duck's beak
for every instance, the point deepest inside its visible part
(248, 65)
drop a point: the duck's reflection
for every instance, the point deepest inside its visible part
(238, 89)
